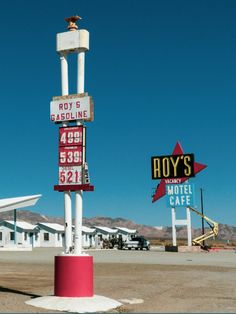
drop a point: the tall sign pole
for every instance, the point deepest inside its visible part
(73, 269)
(203, 227)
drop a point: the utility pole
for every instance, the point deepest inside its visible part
(202, 211)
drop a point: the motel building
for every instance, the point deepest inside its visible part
(27, 235)
(88, 237)
(127, 234)
(51, 234)
(105, 233)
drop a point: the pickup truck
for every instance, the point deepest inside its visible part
(137, 243)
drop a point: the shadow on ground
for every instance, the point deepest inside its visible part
(9, 290)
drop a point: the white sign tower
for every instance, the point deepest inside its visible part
(72, 110)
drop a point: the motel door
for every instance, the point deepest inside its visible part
(31, 239)
(90, 240)
(1, 238)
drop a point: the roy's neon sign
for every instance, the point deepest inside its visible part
(173, 166)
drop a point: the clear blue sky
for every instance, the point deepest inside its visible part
(159, 72)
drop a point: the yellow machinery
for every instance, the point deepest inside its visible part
(212, 233)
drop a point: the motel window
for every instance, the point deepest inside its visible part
(0, 236)
(46, 236)
(25, 236)
(12, 236)
(58, 237)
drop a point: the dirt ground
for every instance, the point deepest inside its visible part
(162, 288)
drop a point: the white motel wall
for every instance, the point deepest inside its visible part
(27, 235)
(53, 235)
(126, 233)
(88, 237)
(105, 233)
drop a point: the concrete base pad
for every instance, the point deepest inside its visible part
(77, 305)
(191, 249)
(183, 249)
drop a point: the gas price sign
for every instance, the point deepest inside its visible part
(70, 155)
(70, 136)
(71, 141)
(70, 175)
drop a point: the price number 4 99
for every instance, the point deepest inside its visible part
(68, 138)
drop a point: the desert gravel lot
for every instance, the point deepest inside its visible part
(162, 281)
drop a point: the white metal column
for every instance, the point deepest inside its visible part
(64, 75)
(80, 71)
(68, 222)
(181, 222)
(189, 229)
(67, 195)
(173, 227)
(79, 194)
(78, 222)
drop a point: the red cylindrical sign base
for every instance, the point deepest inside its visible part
(73, 276)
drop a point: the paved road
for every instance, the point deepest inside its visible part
(46, 255)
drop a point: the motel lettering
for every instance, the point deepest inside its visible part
(180, 194)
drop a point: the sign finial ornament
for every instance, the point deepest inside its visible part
(72, 22)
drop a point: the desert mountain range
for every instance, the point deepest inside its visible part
(226, 232)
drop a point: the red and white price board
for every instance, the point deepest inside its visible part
(70, 155)
(70, 175)
(71, 151)
(71, 136)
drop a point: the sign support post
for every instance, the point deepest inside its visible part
(64, 74)
(80, 79)
(78, 222)
(68, 225)
(173, 226)
(189, 229)
(79, 193)
(67, 195)
(181, 222)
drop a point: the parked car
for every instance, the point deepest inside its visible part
(137, 243)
